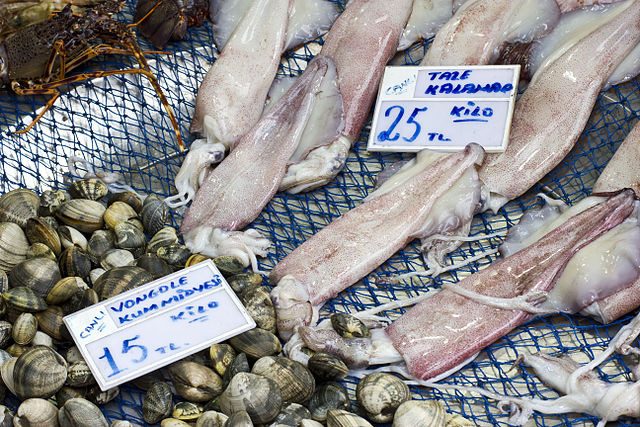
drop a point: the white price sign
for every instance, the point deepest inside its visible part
(444, 108)
(156, 324)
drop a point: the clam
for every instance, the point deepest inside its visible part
(420, 413)
(90, 188)
(4, 356)
(256, 343)
(379, 394)
(239, 419)
(16, 350)
(327, 366)
(50, 321)
(172, 422)
(74, 261)
(24, 328)
(95, 274)
(195, 259)
(73, 355)
(40, 338)
(145, 381)
(100, 242)
(228, 265)
(18, 206)
(239, 364)
(156, 404)
(64, 289)
(176, 254)
(244, 281)
(79, 412)
(5, 333)
(195, 382)
(154, 214)
(128, 197)
(50, 201)
(212, 419)
(6, 371)
(119, 280)
(258, 395)
(66, 393)
(51, 221)
(82, 214)
(349, 326)
(36, 412)
(166, 236)
(154, 265)
(295, 381)
(99, 397)
(4, 281)
(291, 414)
(341, 418)
(128, 236)
(118, 212)
(116, 258)
(81, 299)
(40, 231)
(13, 245)
(329, 395)
(258, 303)
(221, 355)
(6, 416)
(40, 250)
(69, 237)
(79, 375)
(39, 372)
(187, 411)
(24, 299)
(37, 274)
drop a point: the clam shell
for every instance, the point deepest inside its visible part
(18, 206)
(258, 303)
(349, 326)
(341, 418)
(81, 299)
(90, 188)
(118, 212)
(74, 261)
(195, 259)
(258, 395)
(100, 242)
(380, 394)
(154, 214)
(79, 375)
(327, 366)
(99, 397)
(24, 328)
(78, 412)
(329, 395)
(69, 237)
(291, 414)
(82, 214)
(221, 355)
(5, 333)
(228, 265)
(73, 355)
(167, 236)
(6, 371)
(156, 404)
(16, 350)
(66, 393)
(40, 338)
(116, 258)
(239, 364)
(244, 281)
(95, 274)
(119, 280)
(176, 254)
(172, 422)
(64, 289)
(13, 245)
(36, 412)
(38, 250)
(37, 274)
(195, 382)
(295, 381)
(50, 321)
(40, 231)
(154, 265)
(187, 411)
(128, 197)
(239, 419)
(4, 281)
(420, 413)
(256, 343)
(128, 236)
(212, 419)
(147, 380)
(24, 299)
(50, 201)
(39, 372)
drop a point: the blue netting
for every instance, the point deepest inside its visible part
(117, 124)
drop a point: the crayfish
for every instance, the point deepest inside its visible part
(164, 20)
(36, 60)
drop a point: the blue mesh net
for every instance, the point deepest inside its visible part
(118, 125)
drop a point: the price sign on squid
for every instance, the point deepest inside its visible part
(444, 108)
(156, 324)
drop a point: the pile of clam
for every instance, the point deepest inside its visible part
(63, 251)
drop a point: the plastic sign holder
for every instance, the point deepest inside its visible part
(444, 108)
(153, 325)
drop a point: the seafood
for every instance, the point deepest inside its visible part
(157, 403)
(295, 381)
(354, 244)
(36, 59)
(427, 16)
(380, 394)
(411, 337)
(258, 395)
(161, 21)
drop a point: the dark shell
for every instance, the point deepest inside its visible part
(258, 395)
(292, 414)
(147, 380)
(79, 375)
(128, 236)
(154, 265)
(69, 237)
(16, 349)
(118, 212)
(38, 250)
(157, 403)
(330, 395)
(4, 281)
(116, 258)
(5, 333)
(154, 214)
(256, 343)
(50, 321)
(349, 326)
(195, 259)
(79, 412)
(24, 328)
(258, 303)
(244, 281)
(74, 261)
(64, 289)
(119, 280)
(327, 366)
(380, 394)
(37, 274)
(39, 372)
(40, 231)
(50, 201)
(66, 393)
(100, 242)
(167, 236)
(187, 411)
(82, 299)
(239, 364)
(228, 265)
(127, 197)
(82, 214)
(18, 206)
(239, 419)
(295, 381)
(221, 355)
(195, 382)
(176, 255)
(90, 188)
(99, 397)
(24, 299)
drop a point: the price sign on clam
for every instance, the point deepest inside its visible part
(444, 108)
(158, 323)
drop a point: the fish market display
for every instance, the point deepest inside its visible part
(427, 16)
(164, 20)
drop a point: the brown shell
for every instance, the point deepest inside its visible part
(295, 381)
(39, 372)
(222, 356)
(327, 366)
(74, 261)
(82, 214)
(127, 197)
(50, 321)
(24, 328)
(120, 279)
(256, 343)
(18, 206)
(154, 214)
(40, 231)
(258, 395)
(118, 212)
(24, 299)
(64, 289)
(80, 412)
(258, 303)
(37, 274)
(195, 382)
(156, 404)
(90, 188)
(380, 394)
